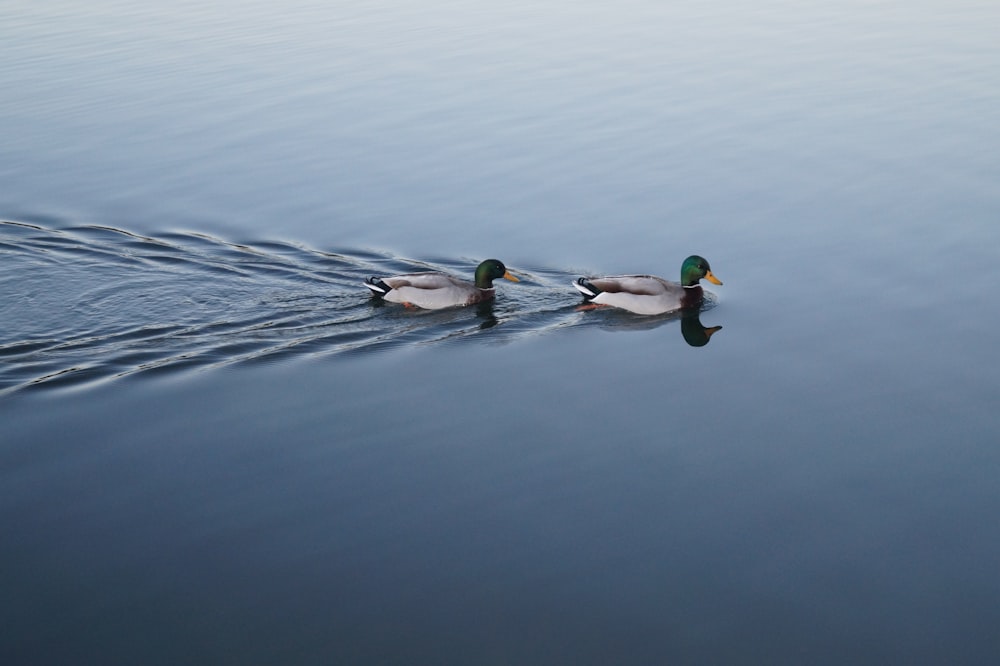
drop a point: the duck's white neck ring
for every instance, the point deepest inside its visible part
(692, 286)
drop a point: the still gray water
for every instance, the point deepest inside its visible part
(216, 448)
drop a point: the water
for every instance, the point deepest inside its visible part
(215, 448)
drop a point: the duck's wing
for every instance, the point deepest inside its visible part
(431, 290)
(637, 285)
(427, 280)
(642, 294)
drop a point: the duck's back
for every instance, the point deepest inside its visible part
(641, 294)
(434, 291)
(426, 280)
(638, 285)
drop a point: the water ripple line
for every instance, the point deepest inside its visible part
(90, 303)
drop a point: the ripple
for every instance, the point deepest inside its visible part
(84, 304)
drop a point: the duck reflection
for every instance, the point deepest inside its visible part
(693, 331)
(695, 334)
(484, 311)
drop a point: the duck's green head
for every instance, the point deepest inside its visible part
(694, 269)
(490, 270)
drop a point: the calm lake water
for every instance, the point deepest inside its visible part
(215, 448)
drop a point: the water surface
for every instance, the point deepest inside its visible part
(216, 448)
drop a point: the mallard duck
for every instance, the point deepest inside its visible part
(648, 294)
(434, 290)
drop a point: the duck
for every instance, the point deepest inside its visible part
(648, 294)
(434, 290)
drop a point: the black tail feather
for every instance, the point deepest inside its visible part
(588, 285)
(377, 286)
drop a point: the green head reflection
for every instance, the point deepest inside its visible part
(694, 332)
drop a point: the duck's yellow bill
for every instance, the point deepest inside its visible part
(514, 279)
(711, 278)
(711, 331)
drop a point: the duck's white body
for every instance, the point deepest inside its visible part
(641, 294)
(435, 290)
(431, 290)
